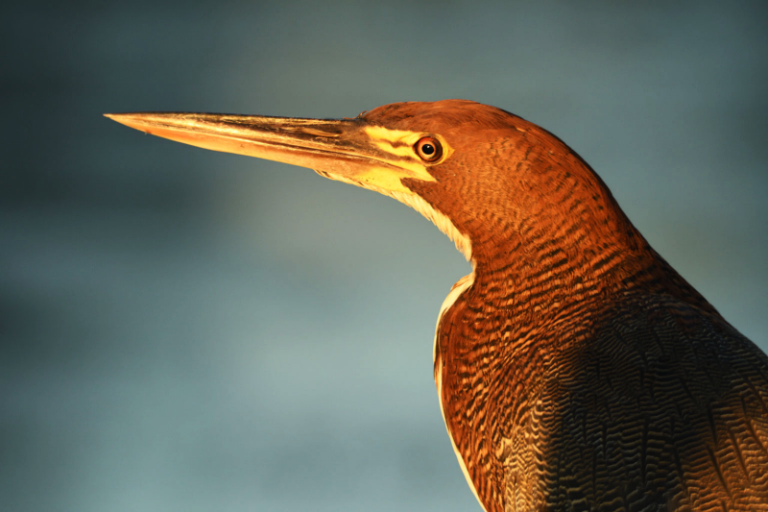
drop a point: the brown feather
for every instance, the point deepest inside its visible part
(579, 371)
(576, 370)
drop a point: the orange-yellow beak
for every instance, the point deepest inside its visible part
(348, 150)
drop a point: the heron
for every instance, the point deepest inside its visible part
(575, 368)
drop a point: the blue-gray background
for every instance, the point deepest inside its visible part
(192, 331)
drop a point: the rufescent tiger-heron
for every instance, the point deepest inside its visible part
(576, 370)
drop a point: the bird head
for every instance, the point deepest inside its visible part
(487, 178)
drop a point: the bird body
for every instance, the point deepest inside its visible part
(576, 370)
(625, 401)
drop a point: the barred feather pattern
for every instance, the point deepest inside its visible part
(579, 371)
(619, 401)
(576, 370)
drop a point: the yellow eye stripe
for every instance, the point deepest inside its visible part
(395, 142)
(400, 142)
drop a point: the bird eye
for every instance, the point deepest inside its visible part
(428, 149)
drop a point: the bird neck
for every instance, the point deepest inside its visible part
(542, 265)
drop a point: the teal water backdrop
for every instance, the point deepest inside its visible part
(184, 330)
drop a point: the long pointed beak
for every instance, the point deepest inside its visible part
(340, 149)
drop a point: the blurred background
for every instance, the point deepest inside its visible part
(183, 330)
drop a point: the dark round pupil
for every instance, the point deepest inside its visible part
(428, 149)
